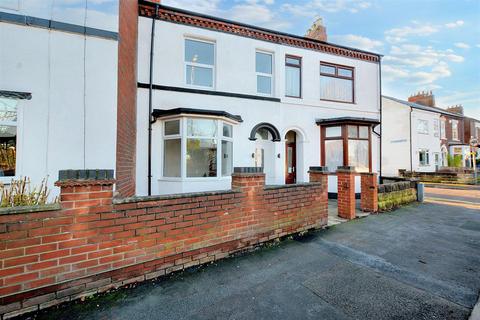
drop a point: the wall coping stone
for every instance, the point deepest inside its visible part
(295, 185)
(346, 169)
(171, 196)
(248, 170)
(318, 169)
(76, 183)
(30, 209)
(88, 174)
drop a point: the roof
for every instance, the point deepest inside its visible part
(175, 15)
(15, 95)
(157, 113)
(352, 120)
(425, 108)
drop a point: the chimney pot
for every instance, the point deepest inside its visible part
(317, 31)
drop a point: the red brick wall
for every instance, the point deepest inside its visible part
(127, 97)
(346, 193)
(92, 245)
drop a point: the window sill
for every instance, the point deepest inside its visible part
(200, 179)
(337, 101)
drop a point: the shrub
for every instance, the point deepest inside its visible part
(20, 193)
(455, 161)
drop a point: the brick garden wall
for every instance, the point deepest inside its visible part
(93, 243)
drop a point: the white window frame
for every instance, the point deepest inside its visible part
(18, 152)
(183, 136)
(425, 122)
(201, 65)
(427, 154)
(455, 130)
(271, 76)
(436, 128)
(443, 129)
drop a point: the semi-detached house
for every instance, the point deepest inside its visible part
(220, 94)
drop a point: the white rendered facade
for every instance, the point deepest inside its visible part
(234, 71)
(70, 120)
(411, 138)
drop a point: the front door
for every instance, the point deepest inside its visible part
(290, 158)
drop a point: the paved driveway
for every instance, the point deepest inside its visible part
(420, 262)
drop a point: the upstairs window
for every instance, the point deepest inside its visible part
(455, 130)
(336, 83)
(436, 128)
(199, 63)
(422, 126)
(8, 137)
(443, 130)
(293, 76)
(264, 71)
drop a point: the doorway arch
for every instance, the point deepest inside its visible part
(294, 160)
(265, 135)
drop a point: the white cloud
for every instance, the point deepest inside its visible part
(317, 7)
(455, 24)
(202, 6)
(357, 41)
(258, 14)
(397, 35)
(462, 45)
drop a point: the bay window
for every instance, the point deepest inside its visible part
(346, 145)
(336, 83)
(264, 71)
(8, 137)
(199, 63)
(197, 148)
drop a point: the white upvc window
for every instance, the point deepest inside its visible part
(443, 129)
(8, 137)
(199, 63)
(264, 72)
(422, 126)
(197, 148)
(423, 157)
(436, 128)
(455, 130)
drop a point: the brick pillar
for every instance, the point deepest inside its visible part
(320, 174)
(84, 192)
(369, 197)
(346, 192)
(250, 180)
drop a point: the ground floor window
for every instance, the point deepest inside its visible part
(8, 136)
(197, 148)
(423, 157)
(346, 145)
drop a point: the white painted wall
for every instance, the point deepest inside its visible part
(70, 122)
(396, 138)
(235, 72)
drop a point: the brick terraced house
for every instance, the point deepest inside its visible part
(215, 94)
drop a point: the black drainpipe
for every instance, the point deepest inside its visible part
(381, 119)
(150, 109)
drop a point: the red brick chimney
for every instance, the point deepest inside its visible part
(456, 109)
(423, 98)
(317, 31)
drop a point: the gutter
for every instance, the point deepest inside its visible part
(150, 108)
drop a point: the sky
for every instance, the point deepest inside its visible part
(427, 44)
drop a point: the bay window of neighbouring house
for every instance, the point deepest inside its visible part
(293, 76)
(264, 72)
(423, 157)
(336, 83)
(346, 145)
(199, 63)
(8, 137)
(197, 148)
(455, 130)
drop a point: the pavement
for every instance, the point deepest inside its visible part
(419, 262)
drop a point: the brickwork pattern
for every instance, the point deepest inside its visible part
(369, 196)
(127, 98)
(94, 243)
(346, 194)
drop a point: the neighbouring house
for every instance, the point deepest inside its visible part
(472, 136)
(411, 137)
(214, 94)
(58, 87)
